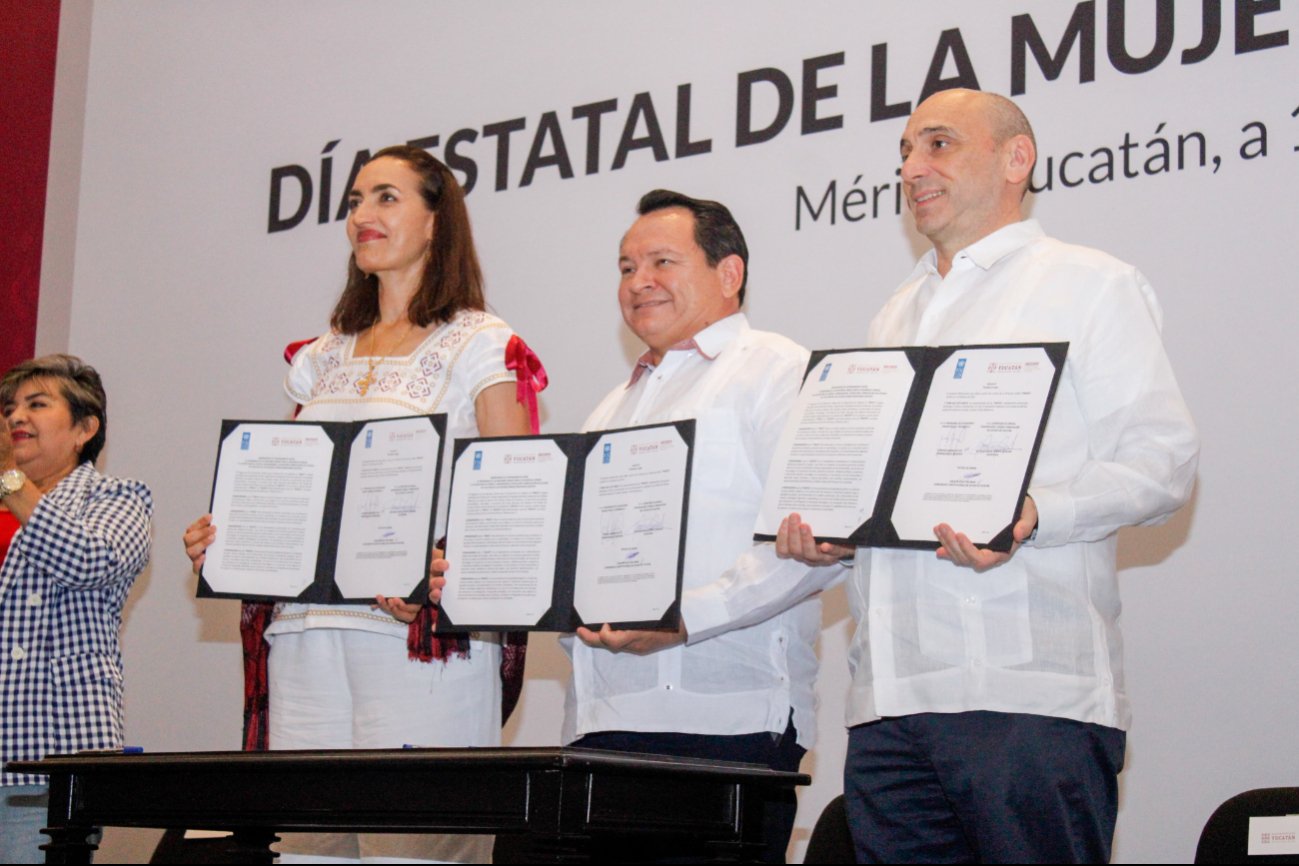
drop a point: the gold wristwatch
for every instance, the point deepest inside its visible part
(11, 482)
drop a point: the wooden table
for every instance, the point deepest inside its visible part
(574, 803)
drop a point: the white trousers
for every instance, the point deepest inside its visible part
(354, 689)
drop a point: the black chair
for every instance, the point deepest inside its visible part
(1225, 837)
(831, 842)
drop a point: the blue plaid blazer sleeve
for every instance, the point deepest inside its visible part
(93, 542)
(63, 584)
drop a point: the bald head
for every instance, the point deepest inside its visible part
(1007, 121)
(967, 157)
(1006, 118)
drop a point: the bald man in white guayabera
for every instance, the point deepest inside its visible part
(987, 709)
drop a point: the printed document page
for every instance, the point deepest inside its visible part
(833, 451)
(267, 505)
(383, 537)
(973, 443)
(503, 530)
(630, 537)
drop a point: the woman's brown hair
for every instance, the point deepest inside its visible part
(452, 280)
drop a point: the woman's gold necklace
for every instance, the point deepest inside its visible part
(372, 362)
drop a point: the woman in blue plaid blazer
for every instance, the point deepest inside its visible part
(71, 544)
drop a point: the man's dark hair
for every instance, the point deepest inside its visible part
(716, 231)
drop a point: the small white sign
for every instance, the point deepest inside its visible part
(1273, 835)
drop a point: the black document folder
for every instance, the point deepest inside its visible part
(325, 512)
(549, 532)
(883, 444)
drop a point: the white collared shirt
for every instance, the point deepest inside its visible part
(1040, 633)
(737, 680)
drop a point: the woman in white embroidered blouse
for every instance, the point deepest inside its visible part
(409, 335)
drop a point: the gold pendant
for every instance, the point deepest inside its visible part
(364, 382)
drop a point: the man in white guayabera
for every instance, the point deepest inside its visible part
(740, 694)
(987, 709)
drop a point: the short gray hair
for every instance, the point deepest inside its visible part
(79, 384)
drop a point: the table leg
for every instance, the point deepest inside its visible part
(69, 844)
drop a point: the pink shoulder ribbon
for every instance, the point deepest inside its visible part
(530, 374)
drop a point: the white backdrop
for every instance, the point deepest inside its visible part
(161, 271)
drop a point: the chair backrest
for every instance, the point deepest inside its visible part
(1225, 838)
(831, 841)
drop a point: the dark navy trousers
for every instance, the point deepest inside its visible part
(982, 787)
(777, 751)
